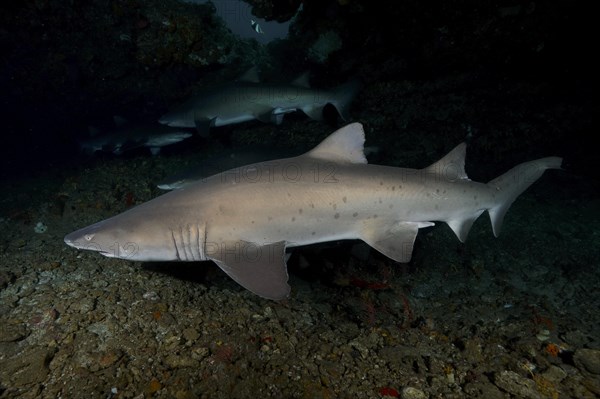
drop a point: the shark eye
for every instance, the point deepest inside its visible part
(88, 237)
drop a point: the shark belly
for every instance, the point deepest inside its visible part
(262, 223)
(224, 120)
(355, 205)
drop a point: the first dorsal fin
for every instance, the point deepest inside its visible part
(452, 166)
(343, 145)
(93, 131)
(119, 120)
(302, 80)
(251, 75)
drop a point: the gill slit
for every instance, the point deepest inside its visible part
(198, 243)
(175, 244)
(186, 240)
(204, 254)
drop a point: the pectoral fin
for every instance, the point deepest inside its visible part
(393, 239)
(265, 117)
(277, 118)
(278, 113)
(258, 268)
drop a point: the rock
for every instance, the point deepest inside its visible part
(6, 278)
(108, 358)
(26, 368)
(588, 359)
(514, 384)
(413, 393)
(178, 360)
(484, 390)
(200, 353)
(280, 11)
(555, 373)
(12, 332)
(191, 334)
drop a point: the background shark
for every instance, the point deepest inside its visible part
(245, 218)
(128, 136)
(247, 99)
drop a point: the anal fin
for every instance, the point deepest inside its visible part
(203, 126)
(313, 112)
(461, 227)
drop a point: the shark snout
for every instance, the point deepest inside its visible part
(69, 240)
(84, 238)
(79, 241)
(164, 120)
(170, 118)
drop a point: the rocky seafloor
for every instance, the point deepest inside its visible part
(512, 317)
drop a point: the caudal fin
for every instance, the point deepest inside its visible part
(512, 183)
(343, 96)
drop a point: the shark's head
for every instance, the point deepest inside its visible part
(125, 237)
(171, 119)
(90, 146)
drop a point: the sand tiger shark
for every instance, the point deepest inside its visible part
(248, 99)
(127, 136)
(245, 218)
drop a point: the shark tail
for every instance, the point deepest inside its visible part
(343, 96)
(512, 183)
